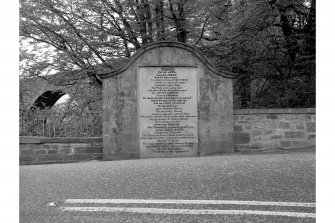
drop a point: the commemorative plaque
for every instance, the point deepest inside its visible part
(168, 119)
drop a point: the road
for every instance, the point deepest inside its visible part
(231, 188)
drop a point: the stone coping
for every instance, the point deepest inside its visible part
(39, 140)
(274, 111)
(161, 44)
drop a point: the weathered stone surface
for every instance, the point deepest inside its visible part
(272, 116)
(209, 106)
(40, 151)
(241, 138)
(26, 159)
(274, 126)
(215, 148)
(64, 150)
(26, 152)
(256, 146)
(52, 151)
(50, 157)
(311, 127)
(312, 136)
(294, 134)
(256, 132)
(268, 132)
(89, 149)
(300, 126)
(29, 139)
(168, 124)
(242, 148)
(238, 128)
(59, 152)
(285, 143)
(277, 137)
(301, 143)
(284, 125)
(292, 117)
(46, 146)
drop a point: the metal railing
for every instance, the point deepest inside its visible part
(52, 124)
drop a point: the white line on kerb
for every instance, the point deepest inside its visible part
(188, 211)
(206, 202)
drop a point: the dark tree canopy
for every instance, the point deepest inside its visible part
(270, 44)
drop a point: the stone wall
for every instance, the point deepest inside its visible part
(273, 129)
(254, 130)
(36, 150)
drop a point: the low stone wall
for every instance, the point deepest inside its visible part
(273, 129)
(254, 130)
(36, 150)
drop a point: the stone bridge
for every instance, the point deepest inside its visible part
(44, 92)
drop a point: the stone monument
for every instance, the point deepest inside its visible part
(167, 101)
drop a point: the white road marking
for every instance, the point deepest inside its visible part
(205, 202)
(188, 211)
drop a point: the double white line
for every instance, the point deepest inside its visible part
(188, 211)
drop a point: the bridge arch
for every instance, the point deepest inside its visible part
(47, 99)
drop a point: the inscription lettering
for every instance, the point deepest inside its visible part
(168, 111)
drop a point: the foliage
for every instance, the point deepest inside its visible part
(270, 44)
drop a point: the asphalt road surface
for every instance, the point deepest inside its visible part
(232, 188)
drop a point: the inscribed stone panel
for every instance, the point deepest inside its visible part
(168, 119)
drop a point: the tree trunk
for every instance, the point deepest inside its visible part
(179, 20)
(159, 20)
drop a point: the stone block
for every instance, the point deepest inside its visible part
(284, 125)
(299, 110)
(268, 132)
(256, 133)
(54, 147)
(52, 151)
(40, 151)
(285, 143)
(64, 150)
(300, 143)
(241, 111)
(251, 117)
(276, 137)
(35, 146)
(26, 152)
(238, 128)
(256, 146)
(272, 116)
(306, 117)
(311, 136)
(26, 158)
(213, 148)
(89, 149)
(294, 134)
(241, 138)
(242, 148)
(312, 110)
(300, 126)
(78, 157)
(29, 139)
(50, 157)
(311, 127)
(292, 117)
(46, 146)
(23, 146)
(279, 111)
